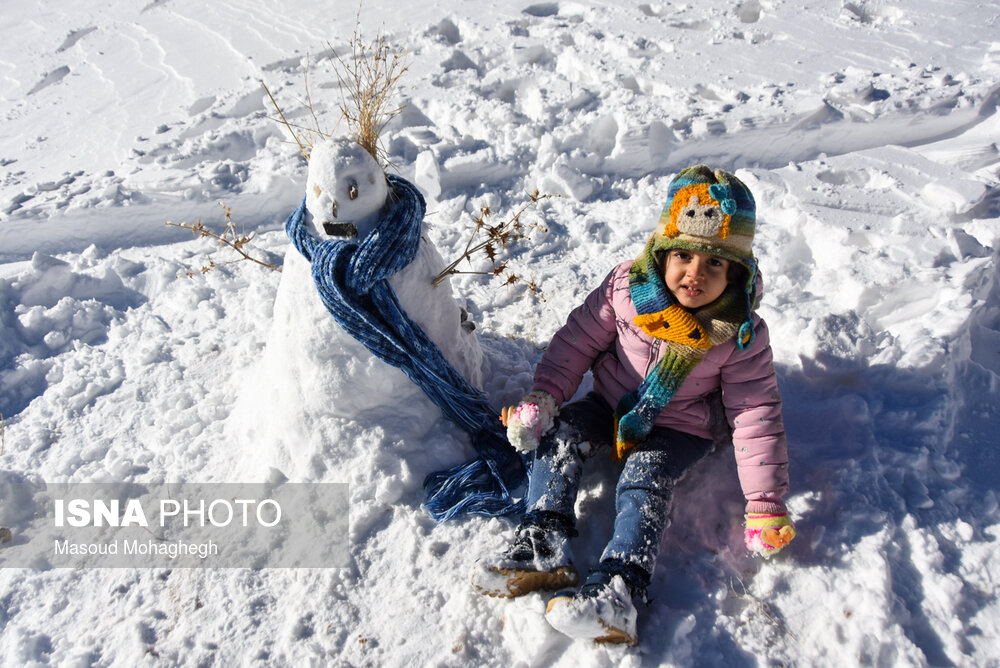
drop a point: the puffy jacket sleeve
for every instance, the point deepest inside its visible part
(590, 329)
(753, 406)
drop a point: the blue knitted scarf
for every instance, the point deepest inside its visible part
(352, 279)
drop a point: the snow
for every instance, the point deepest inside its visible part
(867, 131)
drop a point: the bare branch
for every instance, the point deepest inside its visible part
(285, 121)
(229, 238)
(309, 104)
(487, 239)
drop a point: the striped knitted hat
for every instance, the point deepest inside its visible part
(708, 211)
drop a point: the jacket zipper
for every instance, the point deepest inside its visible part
(652, 357)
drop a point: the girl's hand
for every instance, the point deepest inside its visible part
(528, 421)
(767, 533)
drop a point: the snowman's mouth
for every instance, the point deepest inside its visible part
(349, 230)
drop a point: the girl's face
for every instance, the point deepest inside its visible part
(696, 279)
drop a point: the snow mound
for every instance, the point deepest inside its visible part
(867, 132)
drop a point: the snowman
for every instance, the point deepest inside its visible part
(346, 192)
(311, 367)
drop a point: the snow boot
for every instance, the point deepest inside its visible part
(602, 609)
(539, 558)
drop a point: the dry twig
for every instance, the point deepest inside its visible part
(229, 238)
(760, 606)
(370, 79)
(367, 82)
(490, 240)
(305, 137)
(301, 141)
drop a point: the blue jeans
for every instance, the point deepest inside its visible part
(643, 495)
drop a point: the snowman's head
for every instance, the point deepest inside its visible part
(345, 191)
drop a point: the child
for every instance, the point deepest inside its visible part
(662, 333)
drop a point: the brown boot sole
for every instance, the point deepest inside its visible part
(614, 636)
(520, 582)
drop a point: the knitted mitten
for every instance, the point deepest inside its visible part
(768, 529)
(530, 420)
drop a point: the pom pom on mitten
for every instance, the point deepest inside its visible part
(767, 533)
(528, 422)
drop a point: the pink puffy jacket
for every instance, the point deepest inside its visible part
(601, 334)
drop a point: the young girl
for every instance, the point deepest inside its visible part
(662, 334)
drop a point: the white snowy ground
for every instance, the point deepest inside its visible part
(868, 132)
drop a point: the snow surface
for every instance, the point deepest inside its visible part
(867, 129)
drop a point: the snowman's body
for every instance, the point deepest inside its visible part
(311, 367)
(346, 188)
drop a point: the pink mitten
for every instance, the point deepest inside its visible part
(767, 533)
(528, 422)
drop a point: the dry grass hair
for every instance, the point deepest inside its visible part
(370, 78)
(367, 78)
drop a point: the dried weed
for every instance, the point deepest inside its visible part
(230, 238)
(367, 78)
(490, 240)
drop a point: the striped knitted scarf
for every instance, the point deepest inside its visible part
(687, 337)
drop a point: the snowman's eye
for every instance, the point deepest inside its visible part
(710, 213)
(689, 213)
(352, 189)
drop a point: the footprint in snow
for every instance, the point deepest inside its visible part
(74, 37)
(53, 77)
(542, 10)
